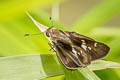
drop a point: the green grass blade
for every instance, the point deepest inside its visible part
(44, 19)
(101, 64)
(80, 74)
(39, 66)
(89, 74)
(72, 74)
(97, 16)
(28, 67)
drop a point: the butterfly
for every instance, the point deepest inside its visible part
(74, 50)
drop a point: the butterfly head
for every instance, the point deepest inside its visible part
(54, 34)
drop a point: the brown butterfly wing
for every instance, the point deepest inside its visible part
(95, 49)
(71, 59)
(66, 56)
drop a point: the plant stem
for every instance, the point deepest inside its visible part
(55, 11)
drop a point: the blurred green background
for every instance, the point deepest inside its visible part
(98, 19)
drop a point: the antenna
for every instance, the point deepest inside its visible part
(32, 34)
(51, 21)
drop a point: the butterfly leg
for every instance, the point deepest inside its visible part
(52, 47)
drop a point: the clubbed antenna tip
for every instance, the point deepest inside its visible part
(27, 35)
(50, 18)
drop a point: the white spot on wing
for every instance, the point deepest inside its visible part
(78, 53)
(84, 47)
(73, 50)
(89, 48)
(81, 51)
(83, 41)
(95, 44)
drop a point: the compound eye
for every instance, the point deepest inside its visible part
(47, 34)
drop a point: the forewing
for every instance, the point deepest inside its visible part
(66, 56)
(91, 47)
